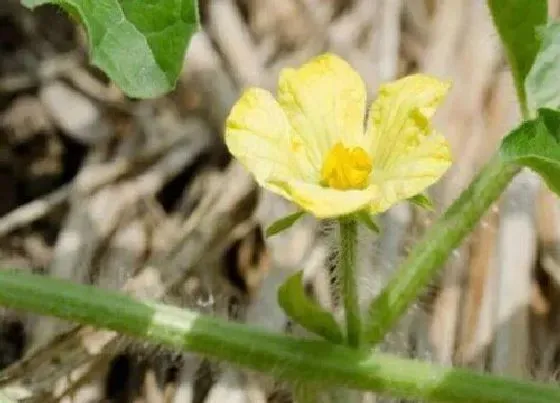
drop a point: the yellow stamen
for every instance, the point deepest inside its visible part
(346, 168)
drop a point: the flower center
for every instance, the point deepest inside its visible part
(346, 168)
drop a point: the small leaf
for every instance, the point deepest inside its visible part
(365, 218)
(140, 44)
(516, 22)
(283, 223)
(542, 84)
(306, 312)
(536, 144)
(421, 200)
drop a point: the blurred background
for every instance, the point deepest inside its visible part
(142, 196)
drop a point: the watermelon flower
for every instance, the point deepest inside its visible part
(314, 145)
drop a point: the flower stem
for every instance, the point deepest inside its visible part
(283, 356)
(429, 255)
(347, 272)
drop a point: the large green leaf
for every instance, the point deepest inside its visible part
(516, 22)
(542, 84)
(306, 312)
(140, 44)
(536, 144)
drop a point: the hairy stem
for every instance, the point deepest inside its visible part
(429, 255)
(280, 355)
(347, 272)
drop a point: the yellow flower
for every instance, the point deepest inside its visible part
(313, 146)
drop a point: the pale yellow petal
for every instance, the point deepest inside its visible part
(413, 172)
(399, 118)
(325, 103)
(324, 202)
(259, 136)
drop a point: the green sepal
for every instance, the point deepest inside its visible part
(365, 218)
(422, 200)
(283, 223)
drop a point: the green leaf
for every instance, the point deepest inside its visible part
(306, 312)
(283, 223)
(421, 200)
(542, 84)
(365, 218)
(140, 44)
(536, 144)
(516, 22)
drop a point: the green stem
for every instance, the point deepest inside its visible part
(298, 360)
(347, 272)
(428, 255)
(305, 393)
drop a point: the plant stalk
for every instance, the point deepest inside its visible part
(429, 255)
(347, 272)
(305, 393)
(298, 360)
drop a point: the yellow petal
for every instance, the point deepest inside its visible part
(260, 137)
(408, 155)
(325, 103)
(413, 172)
(399, 119)
(325, 202)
